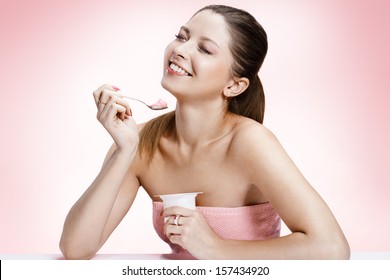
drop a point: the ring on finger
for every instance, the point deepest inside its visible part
(176, 220)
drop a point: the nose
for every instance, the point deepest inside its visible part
(183, 50)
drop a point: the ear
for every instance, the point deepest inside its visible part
(235, 87)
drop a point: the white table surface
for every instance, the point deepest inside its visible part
(96, 257)
(354, 256)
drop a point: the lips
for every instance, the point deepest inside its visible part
(177, 69)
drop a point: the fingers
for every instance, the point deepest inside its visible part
(178, 222)
(119, 105)
(104, 92)
(110, 103)
(176, 219)
(178, 234)
(111, 112)
(174, 228)
(177, 210)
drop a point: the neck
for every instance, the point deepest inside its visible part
(201, 125)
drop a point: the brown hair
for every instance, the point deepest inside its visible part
(248, 46)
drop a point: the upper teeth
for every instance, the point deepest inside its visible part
(178, 69)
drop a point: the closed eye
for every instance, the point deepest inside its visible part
(180, 37)
(204, 50)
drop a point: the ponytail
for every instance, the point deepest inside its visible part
(250, 103)
(151, 133)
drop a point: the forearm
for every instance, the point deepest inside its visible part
(294, 246)
(86, 221)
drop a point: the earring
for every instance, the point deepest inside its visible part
(225, 97)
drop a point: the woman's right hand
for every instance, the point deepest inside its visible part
(114, 113)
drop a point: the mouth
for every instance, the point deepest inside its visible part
(178, 70)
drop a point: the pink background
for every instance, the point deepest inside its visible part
(326, 81)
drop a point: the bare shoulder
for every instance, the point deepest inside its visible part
(251, 136)
(258, 154)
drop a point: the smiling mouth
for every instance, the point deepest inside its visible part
(178, 70)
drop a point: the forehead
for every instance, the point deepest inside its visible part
(211, 25)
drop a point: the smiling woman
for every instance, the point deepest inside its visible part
(211, 68)
(201, 57)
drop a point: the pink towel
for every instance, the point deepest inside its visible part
(255, 222)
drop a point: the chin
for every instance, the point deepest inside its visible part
(171, 88)
(178, 95)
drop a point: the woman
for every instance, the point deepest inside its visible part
(215, 143)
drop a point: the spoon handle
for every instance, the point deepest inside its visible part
(132, 98)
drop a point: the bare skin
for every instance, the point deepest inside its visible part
(233, 160)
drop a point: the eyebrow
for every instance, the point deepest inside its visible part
(203, 38)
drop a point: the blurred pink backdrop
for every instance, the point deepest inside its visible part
(326, 82)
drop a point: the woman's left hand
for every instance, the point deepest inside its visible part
(191, 231)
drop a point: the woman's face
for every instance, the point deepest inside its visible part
(197, 64)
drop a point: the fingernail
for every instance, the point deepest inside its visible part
(116, 88)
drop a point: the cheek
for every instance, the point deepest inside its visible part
(213, 77)
(219, 70)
